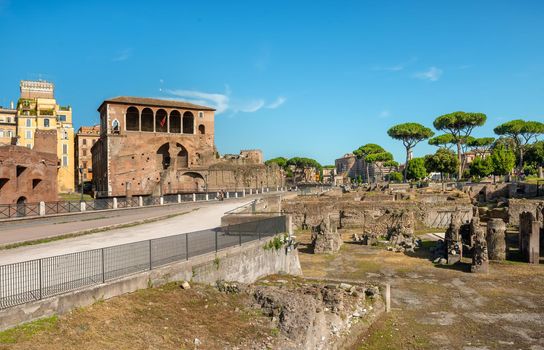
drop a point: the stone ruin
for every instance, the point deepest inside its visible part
(402, 239)
(480, 258)
(325, 237)
(496, 239)
(529, 237)
(453, 243)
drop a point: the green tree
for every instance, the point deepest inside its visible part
(395, 176)
(415, 170)
(280, 161)
(481, 167)
(503, 160)
(443, 161)
(410, 134)
(443, 141)
(535, 154)
(481, 146)
(460, 125)
(522, 132)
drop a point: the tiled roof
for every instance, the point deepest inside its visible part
(155, 102)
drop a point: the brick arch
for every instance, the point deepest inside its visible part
(132, 119)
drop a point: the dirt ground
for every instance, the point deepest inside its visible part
(155, 318)
(439, 307)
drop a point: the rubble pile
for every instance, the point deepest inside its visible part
(402, 239)
(315, 316)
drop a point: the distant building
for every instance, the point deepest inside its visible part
(28, 175)
(37, 109)
(85, 139)
(8, 125)
(352, 167)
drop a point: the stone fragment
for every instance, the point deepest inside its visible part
(496, 243)
(325, 237)
(185, 285)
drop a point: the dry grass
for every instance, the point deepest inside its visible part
(155, 318)
(441, 307)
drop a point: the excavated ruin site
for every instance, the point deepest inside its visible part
(463, 266)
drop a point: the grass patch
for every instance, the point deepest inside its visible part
(74, 197)
(27, 330)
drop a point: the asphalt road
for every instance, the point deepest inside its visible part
(195, 217)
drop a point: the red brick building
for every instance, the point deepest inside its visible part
(29, 176)
(154, 147)
(85, 139)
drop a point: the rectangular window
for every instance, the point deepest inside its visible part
(61, 117)
(84, 142)
(29, 123)
(64, 149)
(64, 161)
(85, 165)
(9, 119)
(84, 153)
(28, 145)
(28, 134)
(46, 123)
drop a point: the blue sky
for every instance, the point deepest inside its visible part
(293, 78)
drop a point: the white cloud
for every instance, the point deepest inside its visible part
(122, 55)
(431, 74)
(278, 102)
(218, 101)
(251, 107)
(222, 102)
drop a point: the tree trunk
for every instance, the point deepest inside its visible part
(460, 167)
(406, 164)
(520, 166)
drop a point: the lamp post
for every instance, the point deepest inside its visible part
(81, 181)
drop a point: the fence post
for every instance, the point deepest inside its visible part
(179, 198)
(114, 202)
(150, 255)
(161, 200)
(187, 246)
(228, 194)
(103, 267)
(243, 192)
(236, 194)
(216, 241)
(240, 237)
(250, 191)
(42, 208)
(387, 297)
(194, 197)
(207, 196)
(82, 206)
(140, 201)
(41, 293)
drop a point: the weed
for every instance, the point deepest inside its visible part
(27, 330)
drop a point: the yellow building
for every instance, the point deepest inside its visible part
(8, 125)
(38, 109)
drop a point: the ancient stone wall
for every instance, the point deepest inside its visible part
(373, 215)
(518, 206)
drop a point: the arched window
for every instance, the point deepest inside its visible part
(161, 121)
(182, 157)
(132, 119)
(163, 155)
(115, 126)
(188, 123)
(147, 120)
(201, 129)
(175, 122)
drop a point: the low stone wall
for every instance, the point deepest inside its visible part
(518, 206)
(243, 264)
(375, 216)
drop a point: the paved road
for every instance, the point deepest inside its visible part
(199, 216)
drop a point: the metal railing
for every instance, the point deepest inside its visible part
(8, 211)
(33, 280)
